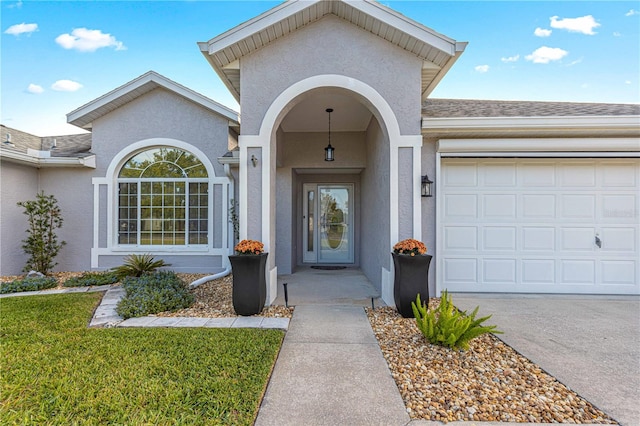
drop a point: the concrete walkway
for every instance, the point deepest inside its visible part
(330, 371)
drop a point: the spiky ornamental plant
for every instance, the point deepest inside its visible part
(138, 265)
(446, 326)
(42, 246)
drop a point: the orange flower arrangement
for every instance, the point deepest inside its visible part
(411, 247)
(249, 247)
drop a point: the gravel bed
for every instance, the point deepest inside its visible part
(489, 382)
(213, 300)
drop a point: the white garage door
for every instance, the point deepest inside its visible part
(539, 225)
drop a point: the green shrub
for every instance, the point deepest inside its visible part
(92, 279)
(137, 265)
(28, 284)
(42, 246)
(153, 293)
(446, 326)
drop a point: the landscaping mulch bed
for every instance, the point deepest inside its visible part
(489, 382)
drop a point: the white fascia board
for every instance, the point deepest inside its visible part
(553, 122)
(45, 162)
(150, 78)
(459, 49)
(543, 145)
(404, 24)
(255, 25)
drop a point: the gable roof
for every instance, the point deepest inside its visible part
(85, 115)
(437, 51)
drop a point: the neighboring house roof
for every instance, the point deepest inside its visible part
(85, 115)
(49, 151)
(472, 118)
(437, 51)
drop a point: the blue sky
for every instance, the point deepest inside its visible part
(58, 55)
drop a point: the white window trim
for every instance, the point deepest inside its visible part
(110, 180)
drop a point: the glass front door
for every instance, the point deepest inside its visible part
(328, 223)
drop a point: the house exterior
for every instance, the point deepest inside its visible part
(536, 197)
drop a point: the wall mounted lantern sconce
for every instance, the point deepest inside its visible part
(427, 190)
(7, 141)
(254, 161)
(329, 150)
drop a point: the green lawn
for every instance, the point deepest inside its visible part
(54, 370)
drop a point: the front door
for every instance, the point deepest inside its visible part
(328, 223)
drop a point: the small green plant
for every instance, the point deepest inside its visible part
(92, 279)
(137, 265)
(153, 293)
(234, 219)
(42, 244)
(446, 326)
(29, 284)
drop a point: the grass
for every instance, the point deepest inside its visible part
(54, 370)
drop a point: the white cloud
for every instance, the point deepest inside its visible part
(86, 40)
(23, 28)
(35, 89)
(584, 24)
(17, 5)
(544, 55)
(66, 86)
(617, 34)
(577, 61)
(632, 12)
(482, 68)
(510, 58)
(541, 32)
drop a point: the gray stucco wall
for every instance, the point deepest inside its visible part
(161, 114)
(405, 193)
(331, 46)
(17, 183)
(428, 163)
(74, 192)
(375, 248)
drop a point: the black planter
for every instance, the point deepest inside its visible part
(411, 278)
(249, 283)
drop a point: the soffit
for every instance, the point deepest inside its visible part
(436, 50)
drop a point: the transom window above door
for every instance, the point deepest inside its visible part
(163, 199)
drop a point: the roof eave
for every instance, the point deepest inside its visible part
(38, 162)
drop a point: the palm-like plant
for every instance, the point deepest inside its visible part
(136, 265)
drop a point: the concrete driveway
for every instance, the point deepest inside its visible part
(589, 343)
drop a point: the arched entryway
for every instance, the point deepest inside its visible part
(285, 162)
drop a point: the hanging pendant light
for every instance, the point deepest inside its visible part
(328, 151)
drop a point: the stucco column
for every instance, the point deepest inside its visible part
(405, 192)
(257, 215)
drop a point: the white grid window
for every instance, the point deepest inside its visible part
(163, 199)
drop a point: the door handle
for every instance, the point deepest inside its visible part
(598, 241)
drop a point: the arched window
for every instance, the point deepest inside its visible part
(163, 199)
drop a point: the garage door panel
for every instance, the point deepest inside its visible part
(619, 175)
(577, 239)
(542, 206)
(619, 272)
(461, 270)
(538, 271)
(499, 238)
(574, 271)
(618, 239)
(502, 271)
(502, 206)
(540, 235)
(499, 175)
(461, 206)
(538, 238)
(461, 238)
(619, 207)
(582, 174)
(537, 174)
(578, 206)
